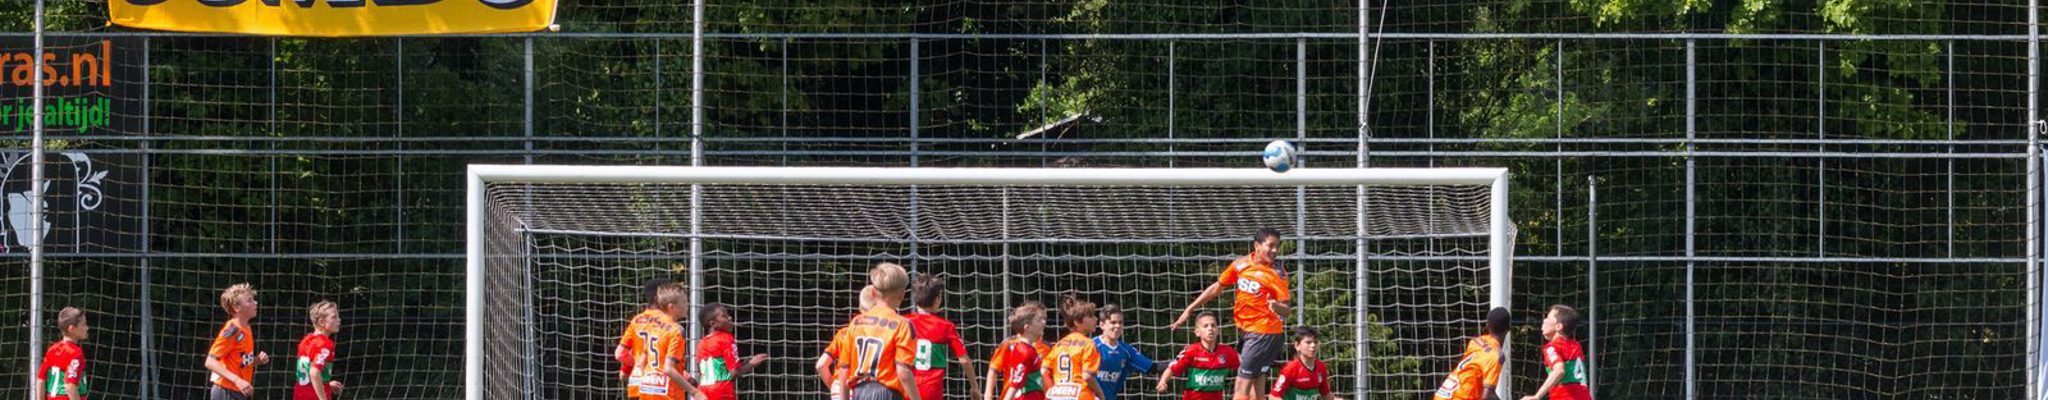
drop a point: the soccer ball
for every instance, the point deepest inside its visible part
(1279, 156)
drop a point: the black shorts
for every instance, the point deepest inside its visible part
(221, 393)
(1257, 353)
(872, 390)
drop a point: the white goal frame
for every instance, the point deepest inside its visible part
(1499, 254)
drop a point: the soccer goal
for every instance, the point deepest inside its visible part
(1396, 266)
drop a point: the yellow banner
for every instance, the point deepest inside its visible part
(332, 18)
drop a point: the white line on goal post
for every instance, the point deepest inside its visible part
(1500, 253)
(473, 299)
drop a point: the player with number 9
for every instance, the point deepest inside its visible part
(1070, 370)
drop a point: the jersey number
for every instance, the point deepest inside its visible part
(868, 350)
(653, 360)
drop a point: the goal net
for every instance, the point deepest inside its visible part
(1395, 267)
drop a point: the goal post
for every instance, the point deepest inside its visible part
(525, 222)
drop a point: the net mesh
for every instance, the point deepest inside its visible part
(789, 259)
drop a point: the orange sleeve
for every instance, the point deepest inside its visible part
(999, 360)
(221, 346)
(1491, 371)
(675, 348)
(838, 342)
(906, 347)
(1050, 363)
(1229, 277)
(1090, 363)
(1285, 293)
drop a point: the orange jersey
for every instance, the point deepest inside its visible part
(235, 346)
(1478, 370)
(1071, 367)
(872, 345)
(632, 358)
(1257, 283)
(656, 343)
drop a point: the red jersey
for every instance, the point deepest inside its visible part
(63, 363)
(938, 343)
(1021, 364)
(315, 352)
(1300, 381)
(1208, 370)
(717, 359)
(1563, 352)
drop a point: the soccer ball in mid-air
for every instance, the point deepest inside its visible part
(1279, 156)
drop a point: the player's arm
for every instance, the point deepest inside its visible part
(747, 366)
(1214, 289)
(1088, 376)
(1280, 307)
(995, 368)
(906, 356)
(1138, 363)
(625, 357)
(903, 370)
(824, 367)
(1173, 368)
(966, 364)
(1089, 382)
(1164, 378)
(1045, 375)
(1556, 375)
(214, 365)
(319, 383)
(689, 385)
(1281, 303)
(35, 389)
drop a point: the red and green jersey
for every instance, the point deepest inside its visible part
(938, 343)
(315, 352)
(1299, 381)
(63, 363)
(717, 358)
(1563, 352)
(1020, 363)
(1208, 370)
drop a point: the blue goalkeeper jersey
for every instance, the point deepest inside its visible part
(1119, 363)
